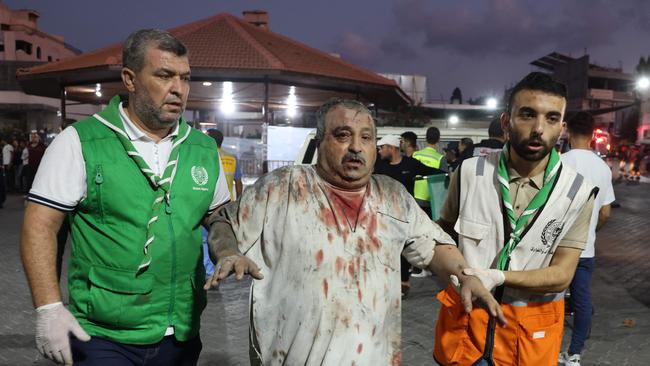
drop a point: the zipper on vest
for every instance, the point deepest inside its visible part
(172, 292)
(99, 180)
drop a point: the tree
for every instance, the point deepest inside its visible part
(643, 67)
(456, 96)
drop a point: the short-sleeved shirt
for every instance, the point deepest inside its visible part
(595, 170)
(7, 150)
(522, 191)
(60, 182)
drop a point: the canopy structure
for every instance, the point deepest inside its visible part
(255, 69)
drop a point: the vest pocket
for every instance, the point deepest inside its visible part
(118, 298)
(472, 231)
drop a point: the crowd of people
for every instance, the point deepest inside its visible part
(20, 160)
(327, 245)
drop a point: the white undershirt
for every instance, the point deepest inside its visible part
(60, 182)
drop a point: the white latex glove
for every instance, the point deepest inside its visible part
(54, 323)
(490, 278)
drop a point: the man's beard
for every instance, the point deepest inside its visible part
(151, 115)
(521, 147)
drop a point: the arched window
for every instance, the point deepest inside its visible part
(38, 53)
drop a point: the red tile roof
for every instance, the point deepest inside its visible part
(226, 42)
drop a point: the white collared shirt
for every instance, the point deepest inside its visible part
(60, 182)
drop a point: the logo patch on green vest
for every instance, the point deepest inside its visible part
(200, 176)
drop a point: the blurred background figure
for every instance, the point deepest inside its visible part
(408, 143)
(495, 141)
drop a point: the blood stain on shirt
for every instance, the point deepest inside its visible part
(319, 257)
(360, 348)
(339, 265)
(325, 287)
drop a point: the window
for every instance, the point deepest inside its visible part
(24, 45)
(49, 58)
(38, 53)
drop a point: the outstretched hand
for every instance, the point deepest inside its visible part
(237, 263)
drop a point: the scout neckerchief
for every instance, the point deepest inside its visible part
(518, 225)
(161, 184)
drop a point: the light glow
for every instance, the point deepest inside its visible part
(227, 101)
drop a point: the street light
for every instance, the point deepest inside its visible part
(453, 119)
(227, 102)
(643, 83)
(292, 103)
(491, 103)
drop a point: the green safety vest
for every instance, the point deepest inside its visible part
(108, 296)
(431, 158)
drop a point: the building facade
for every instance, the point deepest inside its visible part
(23, 44)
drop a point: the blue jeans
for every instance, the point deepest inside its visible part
(103, 352)
(581, 301)
(207, 263)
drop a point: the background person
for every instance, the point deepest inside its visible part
(495, 141)
(581, 158)
(408, 143)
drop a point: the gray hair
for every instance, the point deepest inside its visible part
(136, 44)
(324, 109)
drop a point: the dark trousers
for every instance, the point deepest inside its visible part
(103, 352)
(581, 304)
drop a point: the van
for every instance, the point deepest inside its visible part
(308, 153)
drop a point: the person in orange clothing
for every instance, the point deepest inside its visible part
(521, 219)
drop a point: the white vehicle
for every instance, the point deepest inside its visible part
(307, 153)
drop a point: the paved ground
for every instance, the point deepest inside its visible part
(620, 336)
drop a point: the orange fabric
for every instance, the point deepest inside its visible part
(533, 335)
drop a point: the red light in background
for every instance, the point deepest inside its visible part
(598, 130)
(608, 147)
(600, 140)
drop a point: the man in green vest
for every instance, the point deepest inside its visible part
(138, 184)
(430, 157)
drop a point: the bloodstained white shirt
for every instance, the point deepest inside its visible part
(331, 292)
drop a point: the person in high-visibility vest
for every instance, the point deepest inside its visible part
(229, 164)
(430, 157)
(521, 219)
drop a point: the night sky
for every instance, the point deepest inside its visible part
(481, 46)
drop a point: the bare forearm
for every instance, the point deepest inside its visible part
(539, 280)
(447, 260)
(554, 278)
(603, 215)
(221, 237)
(38, 252)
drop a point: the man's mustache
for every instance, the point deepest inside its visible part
(351, 156)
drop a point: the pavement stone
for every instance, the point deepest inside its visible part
(621, 291)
